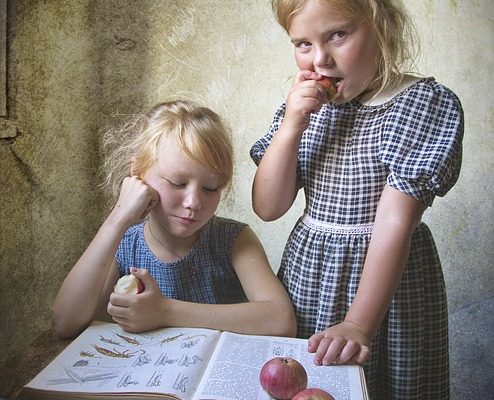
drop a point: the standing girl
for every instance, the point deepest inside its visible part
(360, 267)
(197, 269)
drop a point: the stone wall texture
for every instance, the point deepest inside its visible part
(75, 68)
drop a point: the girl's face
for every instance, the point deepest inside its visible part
(189, 192)
(334, 46)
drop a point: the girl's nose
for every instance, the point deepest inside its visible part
(322, 57)
(192, 200)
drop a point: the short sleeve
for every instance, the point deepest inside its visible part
(422, 141)
(259, 148)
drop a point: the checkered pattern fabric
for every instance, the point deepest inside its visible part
(204, 275)
(346, 156)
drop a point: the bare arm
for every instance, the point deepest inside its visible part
(275, 184)
(396, 218)
(268, 311)
(86, 289)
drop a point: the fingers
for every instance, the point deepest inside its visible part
(306, 93)
(314, 341)
(362, 356)
(154, 198)
(137, 313)
(121, 310)
(328, 351)
(146, 278)
(306, 75)
(337, 350)
(135, 201)
(118, 305)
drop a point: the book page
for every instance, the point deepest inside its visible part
(233, 371)
(106, 359)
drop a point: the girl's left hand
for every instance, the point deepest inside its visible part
(345, 343)
(138, 312)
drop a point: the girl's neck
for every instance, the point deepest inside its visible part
(370, 98)
(164, 247)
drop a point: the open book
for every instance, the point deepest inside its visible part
(178, 363)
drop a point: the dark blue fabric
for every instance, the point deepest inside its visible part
(346, 157)
(204, 275)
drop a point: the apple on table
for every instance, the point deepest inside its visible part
(283, 377)
(313, 394)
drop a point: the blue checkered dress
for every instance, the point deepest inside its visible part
(204, 275)
(346, 156)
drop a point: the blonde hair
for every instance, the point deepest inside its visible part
(199, 131)
(389, 20)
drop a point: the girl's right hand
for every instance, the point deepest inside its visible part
(141, 312)
(305, 97)
(135, 201)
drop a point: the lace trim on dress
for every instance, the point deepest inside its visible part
(362, 229)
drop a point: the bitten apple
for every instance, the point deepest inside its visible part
(283, 377)
(128, 284)
(313, 394)
(330, 87)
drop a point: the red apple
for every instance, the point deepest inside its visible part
(128, 284)
(330, 87)
(313, 394)
(283, 377)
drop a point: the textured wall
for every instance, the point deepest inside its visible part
(48, 153)
(76, 67)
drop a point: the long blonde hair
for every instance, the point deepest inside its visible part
(200, 132)
(395, 32)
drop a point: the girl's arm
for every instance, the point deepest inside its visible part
(268, 311)
(275, 183)
(86, 289)
(397, 216)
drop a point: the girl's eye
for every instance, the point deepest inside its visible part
(180, 185)
(175, 184)
(303, 45)
(338, 35)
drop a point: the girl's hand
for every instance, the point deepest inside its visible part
(345, 343)
(305, 97)
(135, 201)
(138, 312)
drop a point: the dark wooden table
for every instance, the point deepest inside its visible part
(24, 366)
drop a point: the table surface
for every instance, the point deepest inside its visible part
(21, 368)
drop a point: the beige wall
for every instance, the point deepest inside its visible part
(74, 67)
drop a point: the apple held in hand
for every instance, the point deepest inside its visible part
(283, 377)
(329, 85)
(128, 284)
(313, 394)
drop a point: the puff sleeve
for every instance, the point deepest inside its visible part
(259, 148)
(422, 142)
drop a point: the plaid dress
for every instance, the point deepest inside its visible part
(346, 156)
(204, 275)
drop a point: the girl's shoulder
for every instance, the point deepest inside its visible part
(413, 87)
(221, 226)
(219, 235)
(133, 233)
(421, 139)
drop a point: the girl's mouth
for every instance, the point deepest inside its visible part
(186, 220)
(336, 81)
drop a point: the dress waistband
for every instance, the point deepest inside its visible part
(361, 229)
